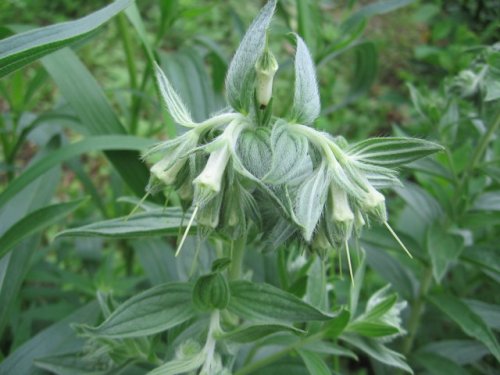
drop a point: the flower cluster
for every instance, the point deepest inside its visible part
(245, 168)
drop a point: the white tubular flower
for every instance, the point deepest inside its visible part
(211, 176)
(341, 210)
(373, 198)
(374, 202)
(266, 68)
(167, 172)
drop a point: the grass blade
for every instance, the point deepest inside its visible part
(35, 222)
(98, 143)
(21, 49)
(90, 104)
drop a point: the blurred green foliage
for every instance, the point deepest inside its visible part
(395, 73)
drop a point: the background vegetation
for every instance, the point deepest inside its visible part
(428, 69)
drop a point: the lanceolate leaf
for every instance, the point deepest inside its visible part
(392, 151)
(180, 366)
(378, 351)
(468, 320)
(436, 364)
(306, 102)
(97, 143)
(372, 328)
(22, 49)
(158, 222)
(35, 222)
(266, 303)
(75, 364)
(152, 311)
(314, 363)
(489, 201)
(241, 72)
(444, 249)
(380, 7)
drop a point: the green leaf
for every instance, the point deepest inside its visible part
(97, 143)
(316, 292)
(314, 363)
(372, 328)
(392, 151)
(373, 9)
(35, 222)
(431, 167)
(152, 311)
(306, 101)
(438, 365)
(420, 201)
(159, 222)
(15, 265)
(254, 332)
(489, 201)
(57, 339)
(389, 269)
(378, 351)
(310, 200)
(444, 249)
(157, 259)
(381, 306)
(290, 160)
(329, 348)
(73, 364)
(80, 89)
(336, 326)
(22, 49)
(490, 313)
(463, 352)
(468, 320)
(241, 72)
(180, 366)
(266, 303)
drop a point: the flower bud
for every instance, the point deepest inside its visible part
(187, 349)
(211, 292)
(266, 67)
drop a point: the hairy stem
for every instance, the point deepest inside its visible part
(237, 256)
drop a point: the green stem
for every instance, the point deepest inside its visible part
(237, 256)
(253, 367)
(129, 56)
(417, 310)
